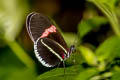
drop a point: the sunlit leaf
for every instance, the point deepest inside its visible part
(12, 16)
(87, 74)
(88, 55)
(107, 8)
(109, 49)
(109, 3)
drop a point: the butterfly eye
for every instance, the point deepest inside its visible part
(72, 48)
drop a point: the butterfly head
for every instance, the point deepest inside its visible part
(71, 50)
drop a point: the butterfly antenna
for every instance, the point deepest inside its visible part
(75, 42)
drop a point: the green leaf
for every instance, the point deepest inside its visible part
(103, 76)
(109, 3)
(21, 54)
(12, 16)
(87, 74)
(75, 59)
(11, 68)
(109, 12)
(116, 75)
(109, 49)
(14, 73)
(88, 55)
(58, 74)
(86, 26)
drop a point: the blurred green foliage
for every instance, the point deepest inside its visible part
(12, 15)
(89, 62)
(85, 26)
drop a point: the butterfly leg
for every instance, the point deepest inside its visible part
(57, 66)
(64, 67)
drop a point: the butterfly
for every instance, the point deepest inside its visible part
(49, 46)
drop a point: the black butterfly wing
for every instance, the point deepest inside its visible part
(37, 23)
(49, 52)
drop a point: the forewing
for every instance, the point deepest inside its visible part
(36, 24)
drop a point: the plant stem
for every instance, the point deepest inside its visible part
(21, 54)
(110, 14)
